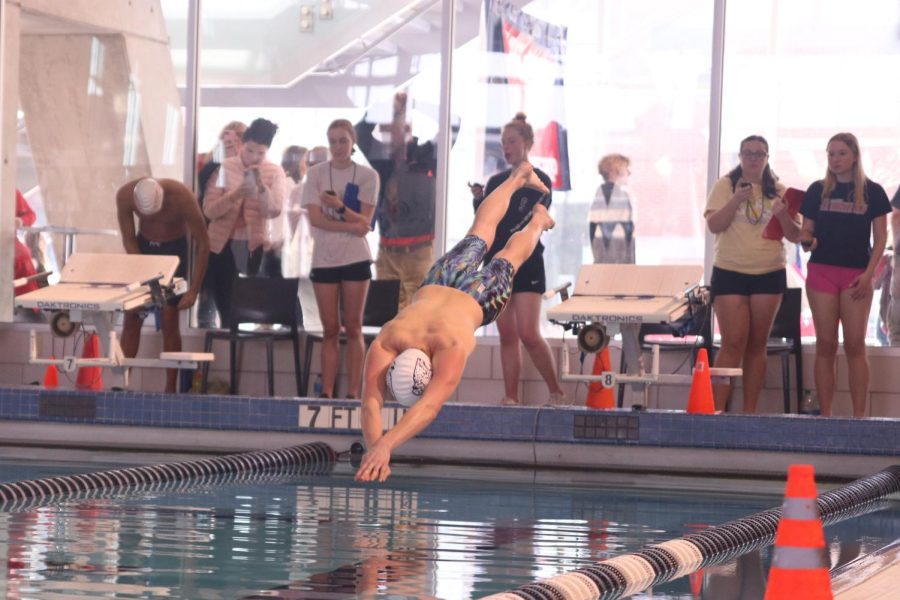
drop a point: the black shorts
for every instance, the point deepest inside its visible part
(727, 283)
(177, 248)
(361, 271)
(531, 277)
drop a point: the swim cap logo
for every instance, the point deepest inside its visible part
(421, 377)
(408, 376)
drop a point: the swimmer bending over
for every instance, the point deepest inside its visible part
(435, 333)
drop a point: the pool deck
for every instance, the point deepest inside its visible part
(870, 577)
(653, 441)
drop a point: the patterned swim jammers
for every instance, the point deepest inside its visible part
(491, 286)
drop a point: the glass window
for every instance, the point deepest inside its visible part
(98, 105)
(303, 69)
(595, 78)
(799, 72)
(630, 78)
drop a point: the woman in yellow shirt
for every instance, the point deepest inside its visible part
(748, 278)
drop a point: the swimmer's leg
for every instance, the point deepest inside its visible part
(522, 243)
(494, 206)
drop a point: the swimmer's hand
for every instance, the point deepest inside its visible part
(375, 464)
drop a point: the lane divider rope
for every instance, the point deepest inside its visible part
(632, 573)
(305, 455)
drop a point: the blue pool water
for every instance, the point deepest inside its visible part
(430, 532)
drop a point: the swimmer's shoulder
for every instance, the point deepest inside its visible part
(454, 339)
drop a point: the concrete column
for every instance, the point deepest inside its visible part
(9, 76)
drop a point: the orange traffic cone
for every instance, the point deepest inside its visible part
(599, 396)
(701, 398)
(90, 378)
(696, 581)
(51, 377)
(799, 565)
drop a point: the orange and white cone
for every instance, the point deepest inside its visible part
(598, 395)
(799, 565)
(51, 377)
(701, 396)
(90, 378)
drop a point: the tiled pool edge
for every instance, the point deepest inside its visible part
(575, 425)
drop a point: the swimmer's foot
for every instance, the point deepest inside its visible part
(542, 217)
(558, 399)
(526, 177)
(507, 401)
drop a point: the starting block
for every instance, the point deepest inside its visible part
(610, 299)
(92, 289)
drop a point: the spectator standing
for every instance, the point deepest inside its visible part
(293, 161)
(245, 193)
(340, 197)
(893, 309)
(228, 145)
(520, 322)
(298, 242)
(748, 278)
(612, 214)
(406, 207)
(841, 215)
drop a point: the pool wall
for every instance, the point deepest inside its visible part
(482, 379)
(571, 437)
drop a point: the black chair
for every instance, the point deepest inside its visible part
(382, 302)
(267, 302)
(785, 340)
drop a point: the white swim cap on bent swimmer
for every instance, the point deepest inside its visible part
(408, 376)
(148, 196)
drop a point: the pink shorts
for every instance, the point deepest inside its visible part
(830, 279)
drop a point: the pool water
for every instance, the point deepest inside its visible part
(429, 532)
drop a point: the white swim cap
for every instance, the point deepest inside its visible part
(408, 376)
(148, 196)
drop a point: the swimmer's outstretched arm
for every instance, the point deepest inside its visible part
(378, 359)
(447, 368)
